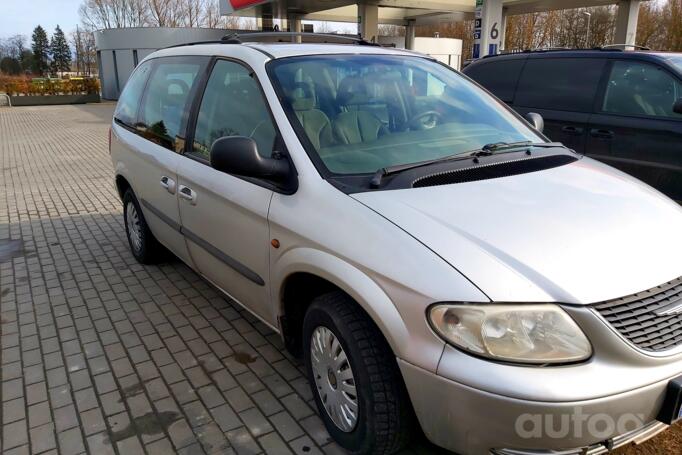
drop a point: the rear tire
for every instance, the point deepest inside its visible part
(337, 331)
(143, 244)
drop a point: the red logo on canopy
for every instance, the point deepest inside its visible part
(238, 4)
(230, 6)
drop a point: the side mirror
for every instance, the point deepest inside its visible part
(677, 107)
(535, 120)
(239, 155)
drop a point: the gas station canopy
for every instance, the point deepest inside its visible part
(490, 15)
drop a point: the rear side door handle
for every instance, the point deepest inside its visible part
(168, 183)
(188, 193)
(572, 130)
(601, 134)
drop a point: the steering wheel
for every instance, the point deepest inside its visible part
(425, 120)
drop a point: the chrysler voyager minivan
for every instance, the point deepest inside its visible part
(432, 257)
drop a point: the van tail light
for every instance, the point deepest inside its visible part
(109, 140)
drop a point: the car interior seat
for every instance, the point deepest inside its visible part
(393, 90)
(175, 96)
(315, 122)
(356, 124)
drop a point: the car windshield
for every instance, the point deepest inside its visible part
(676, 60)
(359, 113)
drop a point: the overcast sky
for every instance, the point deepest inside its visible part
(22, 16)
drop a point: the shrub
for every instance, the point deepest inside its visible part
(24, 86)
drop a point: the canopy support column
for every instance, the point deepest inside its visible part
(368, 22)
(626, 22)
(488, 27)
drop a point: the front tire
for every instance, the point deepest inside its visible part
(143, 244)
(356, 382)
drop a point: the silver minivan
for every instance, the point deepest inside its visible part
(432, 257)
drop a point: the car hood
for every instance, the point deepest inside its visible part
(579, 233)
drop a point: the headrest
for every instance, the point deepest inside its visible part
(352, 90)
(242, 90)
(301, 97)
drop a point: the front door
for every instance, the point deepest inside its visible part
(635, 128)
(225, 217)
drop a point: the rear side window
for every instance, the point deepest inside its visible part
(165, 105)
(563, 84)
(232, 105)
(641, 89)
(500, 77)
(126, 110)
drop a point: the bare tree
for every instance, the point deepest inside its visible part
(193, 12)
(166, 13)
(105, 14)
(102, 14)
(391, 30)
(213, 19)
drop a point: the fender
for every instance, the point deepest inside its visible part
(120, 168)
(404, 342)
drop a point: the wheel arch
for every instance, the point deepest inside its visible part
(122, 185)
(304, 273)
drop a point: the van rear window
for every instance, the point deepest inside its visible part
(500, 77)
(563, 84)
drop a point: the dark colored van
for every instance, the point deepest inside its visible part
(620, 107)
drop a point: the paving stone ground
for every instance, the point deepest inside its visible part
(102, 355)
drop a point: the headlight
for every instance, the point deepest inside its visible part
(526, 333)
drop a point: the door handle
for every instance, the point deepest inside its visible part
(601, 134)
(572, 130)
(168, 183)
(188, 193)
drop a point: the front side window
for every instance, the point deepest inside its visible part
(641, 89)
(166, 101)
(128, 102)
(360, 113)
(232, 105)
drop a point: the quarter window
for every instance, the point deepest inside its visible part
(126, 110)
(641, 89)
(166, 102)
(232, 105)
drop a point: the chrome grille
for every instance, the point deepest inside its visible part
(651, 320)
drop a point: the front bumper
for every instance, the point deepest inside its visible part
(634, 437)
(470, 421)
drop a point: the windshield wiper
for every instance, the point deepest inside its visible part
(389, 170)
(486, 150)
(489, 149)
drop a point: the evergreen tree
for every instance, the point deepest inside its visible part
(26, 60)
(60, 51)
(40, 47)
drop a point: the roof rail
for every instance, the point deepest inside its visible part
(528, 51)
(609, 46)
(195, 43)
(291, 37)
